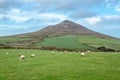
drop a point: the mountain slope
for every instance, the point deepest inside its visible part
(64, 28)
(67, 41)
(80, 42)
(66, 34)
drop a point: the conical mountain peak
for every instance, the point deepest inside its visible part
(66, 27)
(67, 21)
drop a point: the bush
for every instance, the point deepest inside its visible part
(103, 48)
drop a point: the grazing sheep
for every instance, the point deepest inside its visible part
(88, 51)
(82, 54)
(32, 55)
(52, 52)
(6, 53)
(65, 51)
(22, 57)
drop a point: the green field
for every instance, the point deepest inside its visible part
(72, 42)
(58, 66)
(97, 42)
(69, 41)
(80, 42)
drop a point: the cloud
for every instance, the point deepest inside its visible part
(19, 16)
(28, 1)
(11, 26)
(115, 4)
(1, 16)
(51, 16)
(12, 29)
(112, 3)
(111, 20)
(67, 5)
(83, 14)
(7, 4)
(93, 20)
(117, 8)
(104, 20)
(28, 21)
(36, 14)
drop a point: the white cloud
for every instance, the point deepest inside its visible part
(28, 1)
(11, 27)
(15, 11)
(111, 17)
(93, 20)
(115, 4)
(51, 16)
(103, 20)
(1, 16)
(19, 16)
(117, 8)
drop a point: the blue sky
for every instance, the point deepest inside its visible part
(22, 16)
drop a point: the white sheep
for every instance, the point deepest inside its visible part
(32, 55)
(82, 54)
(52, 52)
(65, 51)
(6, 53)
(88, 51)
(22, 57)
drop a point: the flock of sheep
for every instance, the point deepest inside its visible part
(22, 56)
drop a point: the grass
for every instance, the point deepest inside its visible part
(69, 41)
(3, 40)
(80, 42)
(97, 42)
(58, 66)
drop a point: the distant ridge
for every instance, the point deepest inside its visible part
(66, 27)
(65, 35)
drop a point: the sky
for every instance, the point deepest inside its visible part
(22, 16)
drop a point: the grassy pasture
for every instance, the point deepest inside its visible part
(58, 66)
(80, 42)
(69, 41)
(97, 42)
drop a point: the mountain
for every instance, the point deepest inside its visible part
(66, 35)
(64, 28)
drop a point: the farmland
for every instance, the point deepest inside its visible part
(69, 41)
(80, 42)
(58, 66)
(97, 42)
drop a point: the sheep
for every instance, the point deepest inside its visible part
(65, 51)
(32, 55)
(52, 52)
(82, 54)
(88, 51)
(6, 53)
(22, 57)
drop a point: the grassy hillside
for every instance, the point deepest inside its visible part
(71, 42)
(58, 66)
(80, 42)
(68, 41)
(97, 42)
